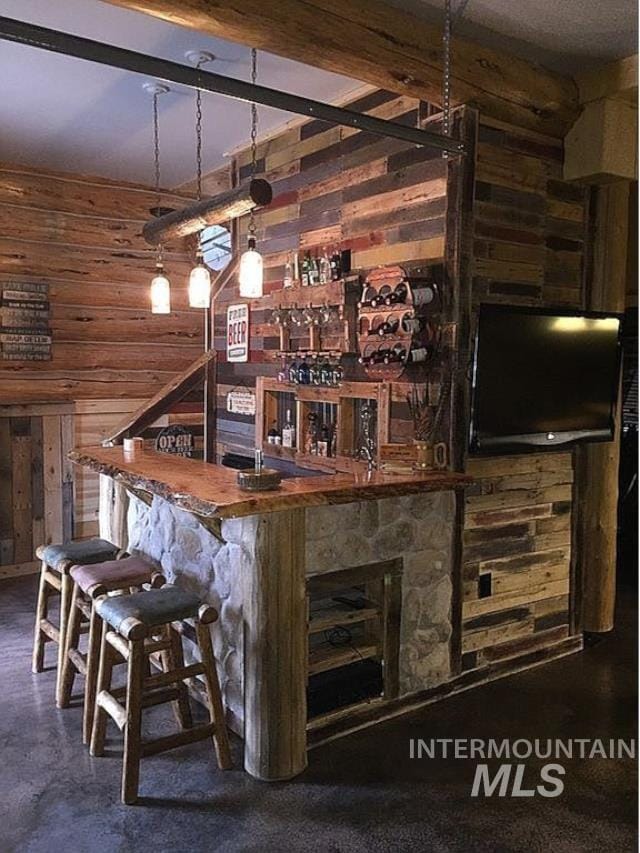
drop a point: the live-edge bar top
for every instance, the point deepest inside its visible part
(212, 491)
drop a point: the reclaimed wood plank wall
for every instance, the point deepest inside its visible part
(36, 482)
(530, 232)
(383, 199)
(82, 236)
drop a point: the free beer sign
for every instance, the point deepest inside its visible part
(238, 333)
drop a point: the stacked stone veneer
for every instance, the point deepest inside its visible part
(418, 528)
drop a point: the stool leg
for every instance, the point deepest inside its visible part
(173, 658)
(65, 602)
(132, 729)
(37, 663)
(72, 641)
(216, 711)
(91, 678)
(105, 669)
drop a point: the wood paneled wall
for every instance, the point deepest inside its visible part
(82, 236)
(383, 199)
(36, 482)
(529, 248)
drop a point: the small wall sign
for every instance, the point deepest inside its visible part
(176, 439)
(24, 322)
(241, 403)
(238, 333)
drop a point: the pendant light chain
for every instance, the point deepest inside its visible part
(156, 151)
(254, 134)
(199, 137)
(446, 73)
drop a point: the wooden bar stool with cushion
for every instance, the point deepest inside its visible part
(57, 561)
(89, 582)
(135, 620)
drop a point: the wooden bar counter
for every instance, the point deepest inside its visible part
(264, 558)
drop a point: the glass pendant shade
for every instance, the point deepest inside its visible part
(251, 272)
(160, 292)
(199, 285)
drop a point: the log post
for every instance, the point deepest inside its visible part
(275, 644)
(598, 464)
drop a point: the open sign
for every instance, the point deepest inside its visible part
(238, 333)
(176, 439)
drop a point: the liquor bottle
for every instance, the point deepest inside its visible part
(324, 441)
(325, 268)
(311, 439)
(389, 327)
(398, 295)
(303, 372)
(288, 432)
(314, 373)
(425, 295)
(314, 271)
(306, 263)
(288, 273)
(293, 372)
(334, 441)
(296, 268)
(273, 436)
(336, 266)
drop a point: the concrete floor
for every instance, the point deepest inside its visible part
(361, 793)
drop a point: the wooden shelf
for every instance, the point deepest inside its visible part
(339, 614)
(316, 295)
(327, 657)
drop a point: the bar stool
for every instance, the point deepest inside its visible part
(137, 621)
(89, 582)
(56, 561)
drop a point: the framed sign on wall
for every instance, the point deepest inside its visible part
(25, 334)
(238, 333)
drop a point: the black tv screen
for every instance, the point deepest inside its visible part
(543, 378)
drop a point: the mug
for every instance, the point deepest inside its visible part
(431, 457)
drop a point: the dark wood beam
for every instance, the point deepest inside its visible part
(384, 46)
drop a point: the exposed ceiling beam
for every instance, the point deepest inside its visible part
(372, 42)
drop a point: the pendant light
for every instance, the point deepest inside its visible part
(160, 291)
(199, 278)
(251, 272)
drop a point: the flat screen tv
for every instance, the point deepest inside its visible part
(543, 378)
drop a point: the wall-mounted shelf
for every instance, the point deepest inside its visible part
(336, 407)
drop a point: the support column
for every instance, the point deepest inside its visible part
(275, 644)
(598, 464)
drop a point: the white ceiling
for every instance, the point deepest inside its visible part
(72, 115)
(562, 35)
(67, 114)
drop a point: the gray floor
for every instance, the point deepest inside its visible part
(361, 793)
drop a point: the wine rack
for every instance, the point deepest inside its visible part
(391, 337)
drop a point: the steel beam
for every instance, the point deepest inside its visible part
(194, 78)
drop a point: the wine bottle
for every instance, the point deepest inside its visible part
(389, 327)
(417, 354)
(395, 355)
(324, 441)
(336, 267)
(413, 325)
(293, 372)
(314, 271)
(325, 268)
(288, 273)
(424, 295)
(371, 302)
(288, 432)
(303, 373)
(398, 295)
(304, 275)
(376, 357)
